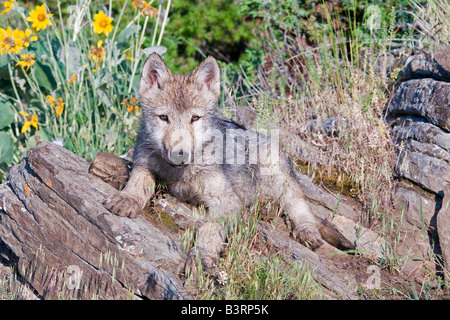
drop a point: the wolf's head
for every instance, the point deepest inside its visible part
(176, 106)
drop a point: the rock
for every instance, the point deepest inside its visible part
(382, 62)
(443, 227)
(436, 66)
(342, 216)
(56, 233)
(419, 114)
(428, 172)
(418, 205)
(417, 129)
(329, 126)
(367, 242)
(111, 169)
(426, 98)
(181, 214)
(424, 160)
(324, 203)
(423, 152)
(292, 250)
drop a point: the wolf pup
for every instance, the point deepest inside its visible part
(208, 159)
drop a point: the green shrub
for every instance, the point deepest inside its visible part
(202, 28)
(75, 82)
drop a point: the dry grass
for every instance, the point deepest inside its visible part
(301, 86)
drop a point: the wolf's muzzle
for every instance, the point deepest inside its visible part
(179, 157)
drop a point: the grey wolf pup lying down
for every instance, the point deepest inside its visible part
(208, 159)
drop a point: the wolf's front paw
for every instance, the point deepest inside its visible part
(122, 204)
(308, 235)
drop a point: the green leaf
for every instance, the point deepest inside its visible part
(4, 60)
(41, 76)
(161, 50)
(6, 114)
(32, 142)
(126, 33)
(74, 58)
(6, 148)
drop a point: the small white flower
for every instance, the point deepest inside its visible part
(59, 142)
(222, 277)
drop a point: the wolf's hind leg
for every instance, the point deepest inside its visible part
(303, 220)
(131, 200)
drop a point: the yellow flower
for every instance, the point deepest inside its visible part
(140, 4)
(149, 11)
(27, 39)
(131, 105)
(72, 79)
(128, 56)
(11, 41)
(97, 53)
(40, 18)
(50, 99)
(58, 105)
(2, 32)
(27, 60)
(31, 120)
(8, 5)
(102, 23)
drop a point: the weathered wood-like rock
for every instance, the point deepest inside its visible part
(182, 215)
(63, 242)
(426, 98)
(430, 173)
(111, 169)
(292, 250)
(55, 231)
(443, 227)
(417, 129)
(436, 65)
(418, 205)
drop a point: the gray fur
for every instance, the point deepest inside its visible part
(171, 103)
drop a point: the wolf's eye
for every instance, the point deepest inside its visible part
(163, 117)
(195, 118)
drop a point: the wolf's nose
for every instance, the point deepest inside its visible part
(179, 157)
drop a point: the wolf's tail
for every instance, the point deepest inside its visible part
(333, 236)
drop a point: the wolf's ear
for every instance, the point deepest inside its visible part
(154, 74)
(207, 77)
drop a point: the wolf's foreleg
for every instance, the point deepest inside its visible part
(208, 246)
(131, 200)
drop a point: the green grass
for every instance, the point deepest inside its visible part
(245, 272)
(96, 116)
(329, 76)
(290, 79)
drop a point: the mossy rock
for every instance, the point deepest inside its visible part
(168, 221)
